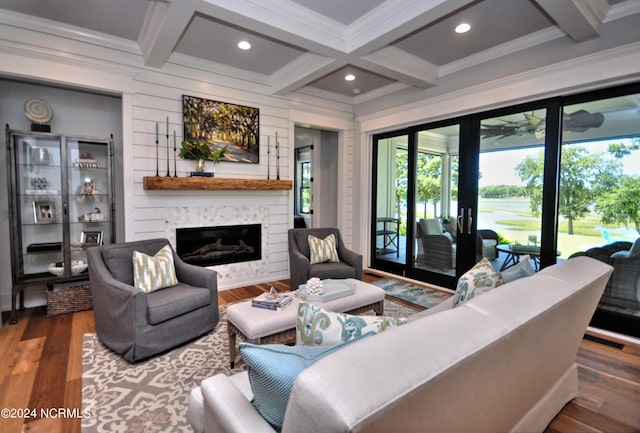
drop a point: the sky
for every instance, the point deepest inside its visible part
(498, 168)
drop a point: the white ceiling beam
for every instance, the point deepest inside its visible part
(292, 24)
(401, 66)
(163, 26)
(395, 19)
(579, 19)
(302, 71)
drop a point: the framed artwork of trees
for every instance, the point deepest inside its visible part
(220, 124)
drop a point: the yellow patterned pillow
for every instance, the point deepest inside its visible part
(323, 250)
(153, 273)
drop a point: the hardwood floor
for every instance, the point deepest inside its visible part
(41, 368)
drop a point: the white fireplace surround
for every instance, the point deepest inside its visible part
(204, 216)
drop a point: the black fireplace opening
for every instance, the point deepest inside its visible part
(209, 246)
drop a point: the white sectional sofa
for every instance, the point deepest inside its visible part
(502, 361)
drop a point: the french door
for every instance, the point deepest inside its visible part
(450, 193)
(549, 179)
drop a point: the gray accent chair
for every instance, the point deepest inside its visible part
(136, 324)
(300, 267)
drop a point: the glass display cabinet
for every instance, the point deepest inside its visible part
(60, 203)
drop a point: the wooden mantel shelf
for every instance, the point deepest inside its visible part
(213, 183)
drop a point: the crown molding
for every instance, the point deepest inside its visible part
(522, 43)
(217, 68)
(54, 28)
(622, 10)
(325, 94)
(379, 92)
(515, 86)
(41, 63)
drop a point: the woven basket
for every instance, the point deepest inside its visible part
(68, 300)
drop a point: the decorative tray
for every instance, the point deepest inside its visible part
(333, 289)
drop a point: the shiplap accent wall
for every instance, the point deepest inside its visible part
(66, 58)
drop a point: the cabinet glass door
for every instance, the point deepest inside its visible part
(89, 185)
(39, 206)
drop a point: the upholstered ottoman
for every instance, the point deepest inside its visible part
(260, 326)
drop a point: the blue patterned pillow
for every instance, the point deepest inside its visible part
(479, 279)
(316, 326)
(272, 370)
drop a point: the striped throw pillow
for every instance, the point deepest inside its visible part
(153, 273)
(323, 250)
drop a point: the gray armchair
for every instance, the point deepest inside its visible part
(300, 267)
(138, 324)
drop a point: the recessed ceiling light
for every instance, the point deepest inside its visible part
(244, 45)
(349, 77)
(463, 28)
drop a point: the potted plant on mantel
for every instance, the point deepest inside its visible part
(200, 152)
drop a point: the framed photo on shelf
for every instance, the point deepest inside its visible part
(89, 187)
(44, 211)
(89, 239)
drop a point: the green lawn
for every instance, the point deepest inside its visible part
(513, 220)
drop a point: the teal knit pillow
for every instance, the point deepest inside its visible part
(272, 370)
(153, 273)
(323, 250)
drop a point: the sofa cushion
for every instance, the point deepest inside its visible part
(479, 279)
(520, 270)
(323, 250)
(153, 273)
(272, 370)
(175, 301)
(333, 270)
(316, 326)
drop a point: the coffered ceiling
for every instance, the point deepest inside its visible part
(390, 46)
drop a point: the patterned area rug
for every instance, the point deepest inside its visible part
(412, 293)
(152, 396)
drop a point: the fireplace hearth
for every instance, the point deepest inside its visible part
(209, 246)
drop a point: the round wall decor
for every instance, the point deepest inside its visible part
(38, 110)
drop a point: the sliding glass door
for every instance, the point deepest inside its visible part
(510, 187)
(550, 180)
(391, 186)
(435, 196)
(599, 206)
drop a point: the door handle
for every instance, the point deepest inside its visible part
(460, 221)
(470, 218)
